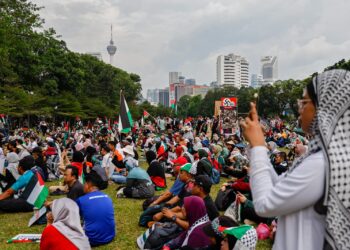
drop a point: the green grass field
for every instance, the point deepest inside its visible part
(127, 212)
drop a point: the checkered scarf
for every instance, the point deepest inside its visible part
(331, 134)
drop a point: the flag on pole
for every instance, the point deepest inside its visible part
(125, 120)
(35, 192)
(145, 114)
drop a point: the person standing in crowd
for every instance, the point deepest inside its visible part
(311, 199)
(96, 209)
(63, 230)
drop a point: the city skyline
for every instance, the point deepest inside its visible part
(156, 37)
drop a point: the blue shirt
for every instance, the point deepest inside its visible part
(177, 187)
(97, 211)
(22, 181)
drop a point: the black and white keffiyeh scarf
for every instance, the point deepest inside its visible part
(331, 131)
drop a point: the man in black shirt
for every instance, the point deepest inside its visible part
(71, 179)
(201, 188)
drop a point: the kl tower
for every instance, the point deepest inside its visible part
(111, 48)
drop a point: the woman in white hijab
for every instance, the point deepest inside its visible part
(64, 230)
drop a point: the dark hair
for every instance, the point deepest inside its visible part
(311, 90)
(75, 171)
(78, 156)
(12, 143)
(37, 150)
(150, 156)
(94, 179)
(105, 147)
(112, 143)
(283, 155)
(27, 163)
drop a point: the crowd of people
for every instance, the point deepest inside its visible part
(89, 158)
(185, 158)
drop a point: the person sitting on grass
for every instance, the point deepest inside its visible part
(129, 163)
(12, 205)
(96, 209)
(63, 230)
(201, 188)
(75, 188)
(138, 184)
(155, 170)
(280, 163)
(193, 238)
(176, 202)
(211, 229)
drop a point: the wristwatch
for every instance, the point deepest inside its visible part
(173, 218)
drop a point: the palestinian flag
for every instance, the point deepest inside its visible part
(125, 120)
(238, 232)
(35, 192)
(145, 114)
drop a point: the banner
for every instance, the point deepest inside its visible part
(229, 102)
(228, 115)
(172, 95)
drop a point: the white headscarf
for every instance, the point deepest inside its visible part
(67, 221)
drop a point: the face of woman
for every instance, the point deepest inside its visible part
(307, 111)
(224, 244)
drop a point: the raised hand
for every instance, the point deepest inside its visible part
(252, 129)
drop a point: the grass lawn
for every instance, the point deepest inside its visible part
(127, 212)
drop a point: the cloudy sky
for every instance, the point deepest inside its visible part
(154, 37)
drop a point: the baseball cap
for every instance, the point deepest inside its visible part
(186, 167)
(203, 181)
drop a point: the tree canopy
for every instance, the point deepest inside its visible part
(39, 75)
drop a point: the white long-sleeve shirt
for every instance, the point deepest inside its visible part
(291, 198)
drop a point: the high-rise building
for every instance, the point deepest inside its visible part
(174, 77)
(164, 97)
(111, 48)
(232, 70)
(180, 91)
(269, 69)
(153, 95)
(182, 79)
(190, 81)
(256, 80)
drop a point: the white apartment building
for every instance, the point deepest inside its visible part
(232, 70)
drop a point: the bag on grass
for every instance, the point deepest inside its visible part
(215, 176)
(147, 215)
(158, 235)
(225, 198)
(149, 201)
(234, 211)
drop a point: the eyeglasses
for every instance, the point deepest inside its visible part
(302, 102)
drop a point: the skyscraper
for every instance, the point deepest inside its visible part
(174, 77)
(232, 70)
(111, 48)
(269, 69)
(164, 97)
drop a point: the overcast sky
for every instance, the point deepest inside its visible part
(154, 37)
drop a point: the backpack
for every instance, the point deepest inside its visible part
(215, 176)
(225, 198)
(158, 235)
